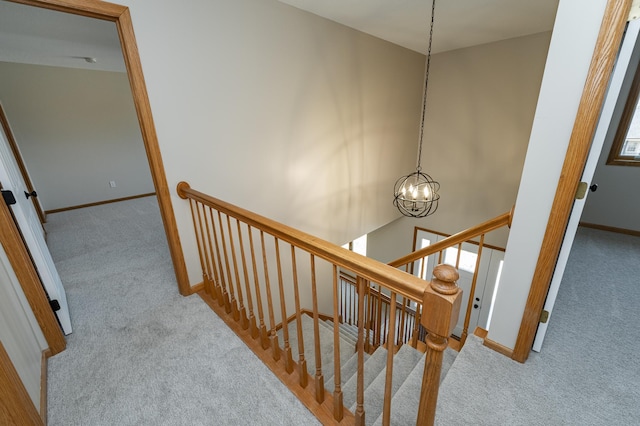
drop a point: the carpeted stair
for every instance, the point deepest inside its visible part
(408, 366)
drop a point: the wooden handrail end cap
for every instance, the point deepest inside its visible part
(180, 189)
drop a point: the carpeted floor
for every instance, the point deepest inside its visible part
(140, 353)
(588, 370)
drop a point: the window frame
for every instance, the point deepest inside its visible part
(615, 158)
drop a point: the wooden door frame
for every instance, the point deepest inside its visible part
(11, 140)
(23, 268)
(121, 16)
(600, 69)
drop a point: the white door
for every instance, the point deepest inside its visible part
(488, 275)
(32, 232)
(627, 62)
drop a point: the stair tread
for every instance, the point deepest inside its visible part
(404, 361)
(372, 368)
(326, 346)
(405, 402)
(347, 371)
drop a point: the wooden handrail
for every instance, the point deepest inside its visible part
(461, 237)
(398, 281)
(226, 271)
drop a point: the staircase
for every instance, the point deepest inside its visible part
(408, 368)
(256, 273)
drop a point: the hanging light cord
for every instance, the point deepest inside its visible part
(426, 84)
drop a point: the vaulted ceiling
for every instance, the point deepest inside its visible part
(45, 37)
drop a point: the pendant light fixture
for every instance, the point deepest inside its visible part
(416, 195)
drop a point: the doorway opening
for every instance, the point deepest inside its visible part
(121, 17)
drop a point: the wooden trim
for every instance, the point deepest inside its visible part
(22, 266)
(610, 229)
(121, 16)
(46, 354)
(460, 237)
(615, 159)
(480, 332)
(402, 283)
(197, 287)
(16, 406)
(4, 121)
(418, 228)
(99, 203)
(596, 84)
(498, 348)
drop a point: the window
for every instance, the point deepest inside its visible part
(625, 150)
(359, 245)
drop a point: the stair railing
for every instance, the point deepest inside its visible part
(254, 287)
(411, 261)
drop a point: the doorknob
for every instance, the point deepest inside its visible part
(593, 187)
(30, 194)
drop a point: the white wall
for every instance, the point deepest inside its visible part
(480, 108)
(615, 203)
(570, 53)
(19, 331)
(77, 130)
(279, 111)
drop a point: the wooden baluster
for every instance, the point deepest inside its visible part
(288, 359)
(273, 336)
(386, 411)
(234, 306)
(215, 255)
(338, 407)
(440, 256)
(379, 337)
(253, 329)
(367, 321)
(216, 293)
(403, 319)
(423, 267)
(442, 300)
(244, 320)
(458, 256)
(204, 255)
(342, 299)
(359, 413)
(205, 278)
(264, 337)
(302, 362)
(472, 292)
(319, 378)
(224, 296)
(416, 327)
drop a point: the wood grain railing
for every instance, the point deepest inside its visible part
(257, 273)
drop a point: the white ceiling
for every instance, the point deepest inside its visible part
(45, 37)
(458, 23)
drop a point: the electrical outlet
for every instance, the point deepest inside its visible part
(112, 183)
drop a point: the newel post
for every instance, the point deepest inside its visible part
(441, 308)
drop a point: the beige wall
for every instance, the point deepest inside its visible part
(77, 130)
(480, 108)
(279, 111)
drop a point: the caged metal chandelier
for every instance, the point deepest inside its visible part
(416, 195)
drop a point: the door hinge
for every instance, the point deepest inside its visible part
(55, 305)
(544, 317)
(582, 190)
(8, 197)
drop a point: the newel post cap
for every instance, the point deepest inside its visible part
(444, 279)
